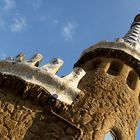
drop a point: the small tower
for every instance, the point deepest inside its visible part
(112, 85)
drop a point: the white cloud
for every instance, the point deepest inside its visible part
(19, 23)
(9, 4)
(69, 30)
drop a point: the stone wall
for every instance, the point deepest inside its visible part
(107, 103)
(28, 118)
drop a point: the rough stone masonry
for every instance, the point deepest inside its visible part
(100, 95)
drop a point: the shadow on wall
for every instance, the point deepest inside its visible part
(18, 118)
(21, 116)
(24, 120)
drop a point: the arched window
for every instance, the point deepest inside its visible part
(132, 79)
(138, 132)
(115, 68)
(109, 136)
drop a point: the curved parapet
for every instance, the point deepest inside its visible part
(127, 48)
(118, 49)
(64, 89)
(118, 44)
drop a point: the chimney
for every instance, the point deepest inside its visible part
(133, 35)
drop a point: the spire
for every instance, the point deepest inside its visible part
(133, 35)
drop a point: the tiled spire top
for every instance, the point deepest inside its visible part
(133, 35)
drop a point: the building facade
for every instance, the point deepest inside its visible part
(100, 95)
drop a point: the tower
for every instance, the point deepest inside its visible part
(100, 95)
(111, 85)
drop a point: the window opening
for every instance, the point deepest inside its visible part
(132, 80)
(110, 136)
(114, 68)
(138, 132)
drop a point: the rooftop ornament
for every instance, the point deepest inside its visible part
(127, 48)
(133, 35)
(64, 89)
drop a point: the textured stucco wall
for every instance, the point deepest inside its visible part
(22, 120)
(109, 102)
(26, 116)
(106, 103)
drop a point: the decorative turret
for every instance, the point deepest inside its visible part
(126, 48)
(112, 86)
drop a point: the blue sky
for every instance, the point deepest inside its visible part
(61, 28)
